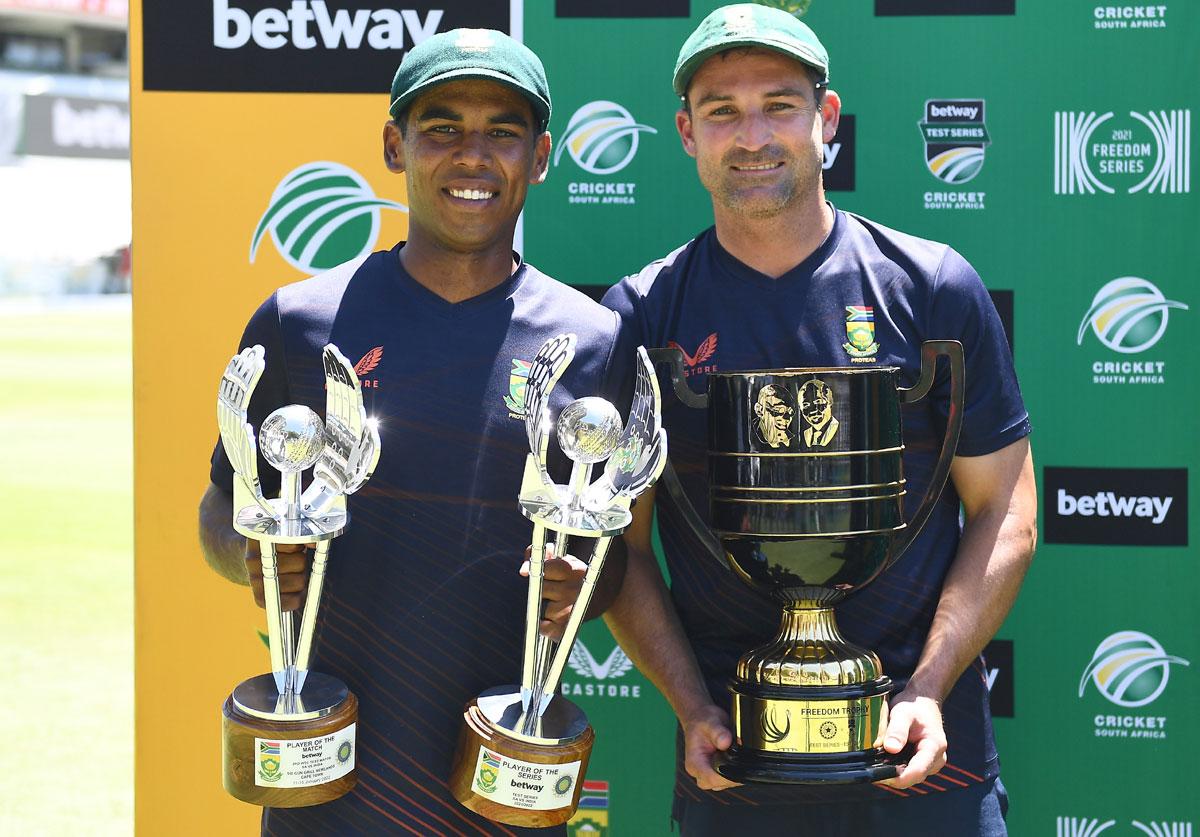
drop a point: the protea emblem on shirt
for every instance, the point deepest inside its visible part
(860, 331)
(321, 215)
(518, 377)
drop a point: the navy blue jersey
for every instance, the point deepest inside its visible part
(423, 605)
(867, 296)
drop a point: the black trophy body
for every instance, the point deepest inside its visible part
(806, 501)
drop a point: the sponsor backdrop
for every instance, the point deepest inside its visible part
(1049, 142)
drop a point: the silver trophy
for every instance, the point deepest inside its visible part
(293, 703)
(510, 727)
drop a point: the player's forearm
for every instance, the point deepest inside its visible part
(644, 623)
(224, 549)
(993, 556)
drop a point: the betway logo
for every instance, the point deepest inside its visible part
(832, 149)
(1109, 504)
(954, 111)
(1115, 506)
(272, 28)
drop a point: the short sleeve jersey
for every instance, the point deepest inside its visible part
(423, 606)
(868, 296)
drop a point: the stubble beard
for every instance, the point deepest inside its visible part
(764, 202)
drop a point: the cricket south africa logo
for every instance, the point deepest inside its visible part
(1130, 669)
(1128, 315)
(860, 333)
(955, 139)
(1142, 152)
(321, 215)
(602, 138)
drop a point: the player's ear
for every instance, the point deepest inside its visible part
(541, 157)
(393, 147)
(683, 124)
(831, 113)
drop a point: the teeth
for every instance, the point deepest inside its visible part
(472, 194)
(761, 167)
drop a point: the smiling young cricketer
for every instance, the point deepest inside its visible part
(423, 605)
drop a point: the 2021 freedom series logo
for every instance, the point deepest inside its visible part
(1085, 827)
(1128, 315)
(955, 137)
(1103, 153)
(1130, 669)
(321, 215)
(601, 137)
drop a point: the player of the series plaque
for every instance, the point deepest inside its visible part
(289, 736)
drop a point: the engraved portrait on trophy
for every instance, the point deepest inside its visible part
(816, 408)
(774, 412)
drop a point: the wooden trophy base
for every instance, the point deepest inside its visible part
(262, 758)
(514, 781)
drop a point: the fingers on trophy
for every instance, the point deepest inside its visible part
(289, 736)
(523, 749)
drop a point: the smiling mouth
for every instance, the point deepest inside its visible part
(758, 167)
(472, 194)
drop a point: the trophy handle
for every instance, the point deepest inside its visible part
(669, 480)
(930, 350)
(673, 358)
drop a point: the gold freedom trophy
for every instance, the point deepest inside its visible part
(523, 750)
(289, 736)
(806, 490)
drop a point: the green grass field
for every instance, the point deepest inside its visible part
(66, 569)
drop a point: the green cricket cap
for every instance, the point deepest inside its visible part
(472, 53)
(748, 25)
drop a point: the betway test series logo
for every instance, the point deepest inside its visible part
(1131, 670)
(1128, 315)
(602, 138)
(1115, 506)
(1142, 153)
(321, 215)
(955, 138)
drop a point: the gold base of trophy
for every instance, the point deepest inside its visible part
(520, 782)
(261, 755)
(808, 708)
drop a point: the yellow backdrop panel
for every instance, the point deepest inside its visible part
(204, 168)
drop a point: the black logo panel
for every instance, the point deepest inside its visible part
(294, 46)
(1116, 506)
